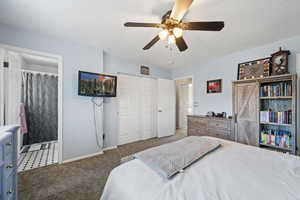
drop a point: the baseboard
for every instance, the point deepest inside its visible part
(110, 148)
(82, 157)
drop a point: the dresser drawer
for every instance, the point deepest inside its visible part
(8, 165)
(220, 133)
(218, 124)
(197, 123)
(8, 189)
(1, 179)
(1, 153)
(8, 145)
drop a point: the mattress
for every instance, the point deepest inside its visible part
(233, 172)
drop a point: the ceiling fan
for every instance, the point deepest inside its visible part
(173, 26)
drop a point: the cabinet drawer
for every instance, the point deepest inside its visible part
(218, 124)
(1, 154)
(8, 189)
(8, 166)
(197, 123)
(8, 145)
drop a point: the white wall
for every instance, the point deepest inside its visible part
(226, 69)
(78, 129)
(114, 65)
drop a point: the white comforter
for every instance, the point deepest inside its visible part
(233, 172)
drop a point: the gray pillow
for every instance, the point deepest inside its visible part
(171, 158)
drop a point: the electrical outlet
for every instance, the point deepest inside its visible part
(5, 64)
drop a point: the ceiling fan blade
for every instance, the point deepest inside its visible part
(180, 8)
(136, 24)
(150, 44)
(203, 26)
(182, 46)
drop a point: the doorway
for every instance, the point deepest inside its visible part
(184, 102)
(35, 103)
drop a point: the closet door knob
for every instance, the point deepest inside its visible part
(159, 110)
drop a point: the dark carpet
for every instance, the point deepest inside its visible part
(83, 179)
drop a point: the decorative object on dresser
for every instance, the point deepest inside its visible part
(145, 70)
(199, 125)
(8, 162)
(210, 114)
(254, 69)
(265, 112)
(214, 86)
(280, 62)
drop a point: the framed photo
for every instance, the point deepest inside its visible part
(214, 86)
(145, 70)
(254, 69)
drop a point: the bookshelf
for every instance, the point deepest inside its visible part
(277, 113)
(265, 112)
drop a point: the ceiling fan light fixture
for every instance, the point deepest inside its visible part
(178, 32)
(172, 39)
(163, 34)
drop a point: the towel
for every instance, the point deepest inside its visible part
(23, 121)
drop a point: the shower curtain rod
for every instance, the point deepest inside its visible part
(36, 72)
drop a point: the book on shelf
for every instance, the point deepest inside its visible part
(276, 138)
(284, 117)
(280, 89)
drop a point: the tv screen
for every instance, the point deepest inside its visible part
(96, 85)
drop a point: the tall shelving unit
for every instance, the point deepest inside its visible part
(266, 119)
(277, 109)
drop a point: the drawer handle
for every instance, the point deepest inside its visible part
(9, 166)
(10, 191)
(8, 144)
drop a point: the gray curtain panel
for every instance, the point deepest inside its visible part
(40, 96)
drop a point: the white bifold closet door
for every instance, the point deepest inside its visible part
(137, 108)
(148, 102)
(128, 97)
(166, 107)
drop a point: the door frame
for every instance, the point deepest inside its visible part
(298, 101)
(193, 89)
(60, 88)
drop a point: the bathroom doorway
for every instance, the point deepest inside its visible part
(184, 101)
(35, 103)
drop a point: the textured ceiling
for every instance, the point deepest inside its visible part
(248, 23)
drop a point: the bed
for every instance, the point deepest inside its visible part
(232, 172)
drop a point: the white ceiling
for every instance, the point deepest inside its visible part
(248, 23)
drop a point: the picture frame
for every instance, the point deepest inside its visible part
(254, 69)
(145, 70)
(214, 86)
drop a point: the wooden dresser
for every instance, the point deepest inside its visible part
(200, 125)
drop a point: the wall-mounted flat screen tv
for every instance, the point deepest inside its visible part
(96, 85)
